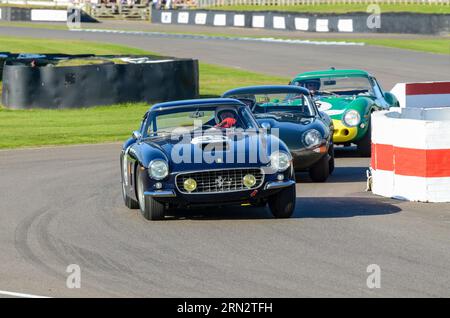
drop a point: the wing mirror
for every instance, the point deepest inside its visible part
(136, 135)
(391, 99)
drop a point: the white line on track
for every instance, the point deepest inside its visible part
(210, 37)
(13, 294)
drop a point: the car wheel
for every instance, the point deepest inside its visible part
(129, 202)
(320, 171)
(331, 160)
(150, 208)
(282, 204)
(365, 144)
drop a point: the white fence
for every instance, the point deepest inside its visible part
(213, 3)
(42, 3)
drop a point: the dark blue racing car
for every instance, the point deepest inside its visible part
(205, 152)
(289, 112)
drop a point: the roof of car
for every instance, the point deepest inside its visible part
(197, 102)
(331, 73)
(266, 89)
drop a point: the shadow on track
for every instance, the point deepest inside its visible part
(340, 174)
(346, 152)
(343, 207)
(307, 207)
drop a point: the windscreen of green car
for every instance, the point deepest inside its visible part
(279, 104)
(339, 85)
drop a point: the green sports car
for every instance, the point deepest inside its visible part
(348, 97)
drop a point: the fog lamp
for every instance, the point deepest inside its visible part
(190, 185)
(249, 180)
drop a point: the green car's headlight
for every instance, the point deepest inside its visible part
(158, 169)
(352, 118)
(280, 160)
(312, 138)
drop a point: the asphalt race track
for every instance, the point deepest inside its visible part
(62, 206)
(390, 66)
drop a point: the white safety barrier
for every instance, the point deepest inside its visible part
(48, 15)
(411, 148)
(423, 95)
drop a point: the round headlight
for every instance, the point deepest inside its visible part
(190, 185)
(352, 118)
(312, 138)
(280, 161)
(249, 180)
(158, 169)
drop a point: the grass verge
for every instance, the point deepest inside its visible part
(438, 45)
(38, 127)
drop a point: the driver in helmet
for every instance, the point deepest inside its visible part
(226, 118)
(313, 85)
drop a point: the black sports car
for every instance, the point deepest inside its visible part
(205, 152)
(290, 112)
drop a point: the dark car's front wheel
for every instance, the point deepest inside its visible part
(150, 208)
(129, 202)
(320, 171)
(331, 161)
(365, 144)
(282, 204)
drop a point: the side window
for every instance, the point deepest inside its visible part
(376, 88)
(379, 86)
(144, 119)
(148, 125)
(248, 120)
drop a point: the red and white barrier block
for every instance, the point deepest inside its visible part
(423, 95)
(411, 154)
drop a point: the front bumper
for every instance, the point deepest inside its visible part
(305, 158)
(161, 194)
(278, 184)
(342, 133)
(174, 196)
(272, 185)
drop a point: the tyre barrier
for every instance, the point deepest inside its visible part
(361, 22)
(41, 84)
(411, 150)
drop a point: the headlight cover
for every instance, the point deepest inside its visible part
(352, 118)
(280, 160)
(312, 138)
(158, 169)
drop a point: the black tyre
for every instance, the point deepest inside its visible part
(320, 171)
(150, 208)
(331, 159)
(365, 144)
(282, 204)
(129, 202)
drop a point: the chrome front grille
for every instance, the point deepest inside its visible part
(218, 181)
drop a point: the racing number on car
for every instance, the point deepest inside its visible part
(323, 106)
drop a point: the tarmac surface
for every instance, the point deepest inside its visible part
(390, 66)
(62, 206)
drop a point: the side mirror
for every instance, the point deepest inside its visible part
(136, 135)
(391, 99)
(266, 126)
